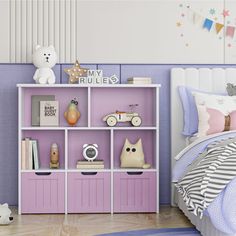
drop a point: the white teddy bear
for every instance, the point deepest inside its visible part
(5, 215)
(44, 58)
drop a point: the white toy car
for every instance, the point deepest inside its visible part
(120, 116)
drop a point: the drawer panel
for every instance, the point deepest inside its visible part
(89, 192)
(43, 192)
(135, 192)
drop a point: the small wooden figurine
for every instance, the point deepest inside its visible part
(72, 114)
(54, 156)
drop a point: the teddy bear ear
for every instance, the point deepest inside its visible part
(52, 47)
(37, 47)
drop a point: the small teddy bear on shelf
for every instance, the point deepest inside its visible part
(5, 215)
(44, 58)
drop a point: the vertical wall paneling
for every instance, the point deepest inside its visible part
(67, 31)
(99, 31)
(34, 24)
(45, 23)
(12, 31)
(51, 22)
(23, 30)
(230, 41)
(18, 31)
(57, 28)
(29, 36)
(73, 30)
(62, 30)
(40, 22)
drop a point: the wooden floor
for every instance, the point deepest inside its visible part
(91, 224)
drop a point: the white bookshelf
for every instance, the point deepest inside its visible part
(91, 125)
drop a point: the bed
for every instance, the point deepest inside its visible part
(210, 80)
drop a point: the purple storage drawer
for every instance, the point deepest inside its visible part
(89, 192)
(43, 192)
(135, 192)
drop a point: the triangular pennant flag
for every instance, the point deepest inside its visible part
(196, 18)
(218, 27)
(207, 24)
(230, 31)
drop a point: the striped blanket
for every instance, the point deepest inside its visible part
(208, 175)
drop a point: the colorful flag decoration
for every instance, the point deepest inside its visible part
(196, 18)
(230, 31)
(218, 27)
(207, 24)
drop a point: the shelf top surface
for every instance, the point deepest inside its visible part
(88, 86)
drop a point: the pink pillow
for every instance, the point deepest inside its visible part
(213, 121)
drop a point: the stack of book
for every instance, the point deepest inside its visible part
(99, 164)
(139, 80)
(29, 154)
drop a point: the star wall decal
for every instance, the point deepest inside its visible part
(212, 11)
(225, 13)
(178, 24)
(75, 72)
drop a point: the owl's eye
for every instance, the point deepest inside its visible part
(44, 54)
(133, 149)
(127, 149)
(49, 54)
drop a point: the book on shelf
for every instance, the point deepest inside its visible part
(49, 113)
(23, 154)
(35, 154)
(139, 80)
(35, 107)
(29, 154)
(26, 157)
(99, 164)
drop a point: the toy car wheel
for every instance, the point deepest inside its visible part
(111, 121)
(136, 121)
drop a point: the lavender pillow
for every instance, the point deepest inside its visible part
(190, 109)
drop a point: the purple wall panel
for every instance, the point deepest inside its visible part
(109, 70)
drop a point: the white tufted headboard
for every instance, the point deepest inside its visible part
(205, 79)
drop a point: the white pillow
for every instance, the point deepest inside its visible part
(225, 104)
(213, 121)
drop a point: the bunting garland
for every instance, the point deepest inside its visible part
(208, 24)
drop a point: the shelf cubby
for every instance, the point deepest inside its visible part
(64, 96)
(148, 138)
(45, 138)
(76, 140)
(107, 100)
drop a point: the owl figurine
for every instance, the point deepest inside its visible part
(132, 155)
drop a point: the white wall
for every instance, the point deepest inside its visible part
(115, 31)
